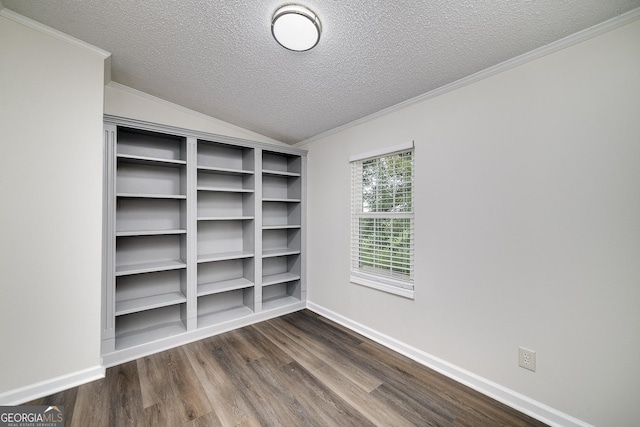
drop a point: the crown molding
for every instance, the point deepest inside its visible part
(28, 22)
(136, 92)
(579, 37)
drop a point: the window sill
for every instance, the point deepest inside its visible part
(375, 283)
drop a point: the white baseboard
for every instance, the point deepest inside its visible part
(502, 394)
(45, 388)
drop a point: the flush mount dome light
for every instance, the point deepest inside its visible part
(296, 27)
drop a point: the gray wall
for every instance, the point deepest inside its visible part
(51, 214)
(527, 229)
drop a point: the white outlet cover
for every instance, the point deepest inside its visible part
(527, 359)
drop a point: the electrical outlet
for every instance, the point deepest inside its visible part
(527, 359)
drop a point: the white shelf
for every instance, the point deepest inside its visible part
(148, 303)
(152, 196)
(150, 160)
(223, 256)
(279, 278)
(149, 232)
(279, 173)
(280, 227)
(148, 267)
(149, 334)
(225, 315)
(225, 218)
(229, 171)
(279, 302)
(223, 286)
(225, 190)
(279, 252)
(281, 200)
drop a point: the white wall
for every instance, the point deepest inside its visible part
(126, 102)
(527, 230)
(51, 95)
(51, 106)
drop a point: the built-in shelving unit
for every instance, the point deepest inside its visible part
(203, 233)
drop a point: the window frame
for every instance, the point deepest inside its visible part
(387, 282)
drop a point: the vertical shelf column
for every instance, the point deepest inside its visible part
(303, 231)
(282, 248)
(192, 230)
(258, 230)
(109, 248)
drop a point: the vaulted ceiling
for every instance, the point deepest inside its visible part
(218, 56)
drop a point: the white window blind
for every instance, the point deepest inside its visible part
(382, 220)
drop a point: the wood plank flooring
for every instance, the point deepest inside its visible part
(296, 370)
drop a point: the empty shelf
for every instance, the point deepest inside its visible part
(130, 158)
(148, 303)
(147, 267)
(221, 256)
(226, 315)
(149, 334)
(223, 286)
(279, 252)
(279, 173)
(224, 189)
(152, 196)
(282, 200)
(229, 171)
(274, 279)
(273, 303)
(280, 226)
(149, 232)
(225, 218)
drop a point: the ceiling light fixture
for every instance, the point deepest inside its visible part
(296, 27)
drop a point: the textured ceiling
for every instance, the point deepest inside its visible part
(218, 57)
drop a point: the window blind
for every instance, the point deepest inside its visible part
(382, 221)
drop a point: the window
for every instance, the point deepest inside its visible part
(382, 220)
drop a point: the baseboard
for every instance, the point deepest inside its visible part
(48, 387)
(502, 394)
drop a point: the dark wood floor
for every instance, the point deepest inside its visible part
(296, 370)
